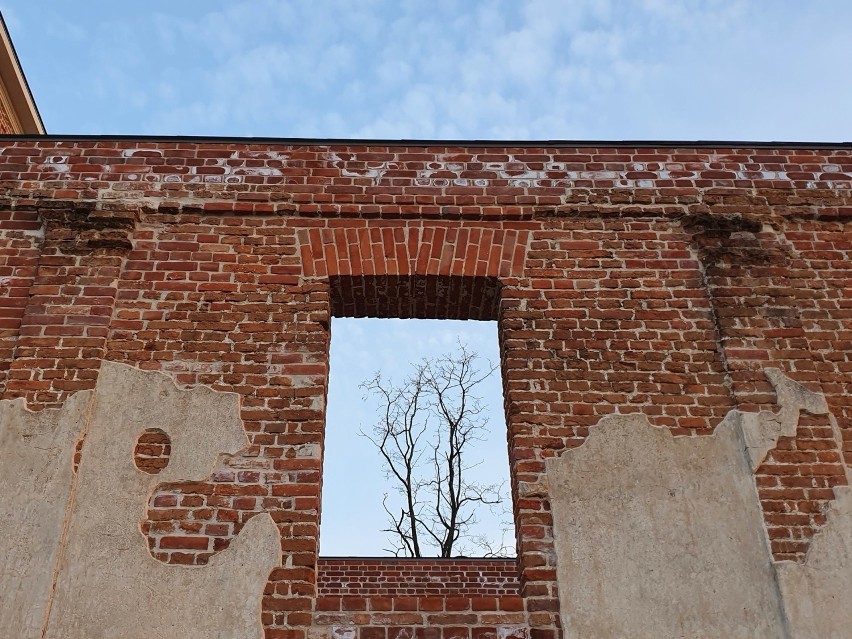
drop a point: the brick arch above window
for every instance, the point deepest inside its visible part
(413, 249)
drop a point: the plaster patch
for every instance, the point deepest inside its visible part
(74, 563)
(661, 537)
(817, 594)
(36, 452)
(109, 585)
(762, 430)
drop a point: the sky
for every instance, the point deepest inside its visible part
(449, 69)
(502, 69)
(353, 479)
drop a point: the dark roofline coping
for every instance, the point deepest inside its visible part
(204, 139)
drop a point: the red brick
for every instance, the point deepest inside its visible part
(665, 299)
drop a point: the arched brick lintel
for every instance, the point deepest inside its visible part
(413, 249)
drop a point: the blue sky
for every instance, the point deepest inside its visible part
(519, 69)
(543, 69)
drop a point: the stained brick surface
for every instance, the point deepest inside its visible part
(624, 279)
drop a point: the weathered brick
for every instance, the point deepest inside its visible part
(651, 280)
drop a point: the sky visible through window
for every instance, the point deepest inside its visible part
(353, 477)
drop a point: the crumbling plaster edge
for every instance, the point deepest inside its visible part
(758, 432)
(84, 401)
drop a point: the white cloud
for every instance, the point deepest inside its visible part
(485, 69)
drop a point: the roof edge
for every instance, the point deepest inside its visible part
(23, 105)
(295, 141)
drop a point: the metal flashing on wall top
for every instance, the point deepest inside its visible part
(296, 141)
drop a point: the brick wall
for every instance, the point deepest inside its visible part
(20, 241)
(397, 577)
(657, 280)
(396, 598)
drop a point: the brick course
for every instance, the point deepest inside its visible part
(393, 577)
(656, 280)
(445, 597)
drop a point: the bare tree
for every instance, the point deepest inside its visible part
(424, 432)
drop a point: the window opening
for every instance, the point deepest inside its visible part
(356, 478)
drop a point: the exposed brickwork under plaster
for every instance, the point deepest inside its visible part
(152, 451)
(652, 280)
(795, 484)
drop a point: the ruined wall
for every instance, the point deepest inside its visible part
(658, 283)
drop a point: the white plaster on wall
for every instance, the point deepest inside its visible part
(36, 452)
(106, 584)
(818, 594)
(663, 537)
(655, 536)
